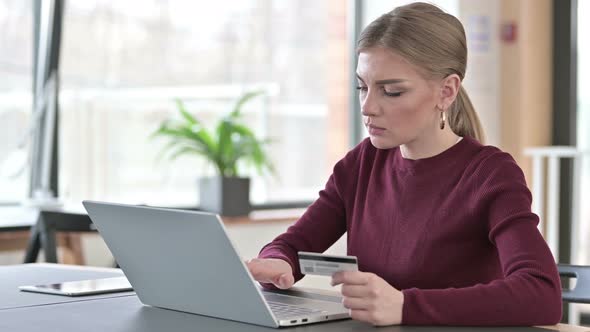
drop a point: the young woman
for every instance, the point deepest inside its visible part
(441, 224)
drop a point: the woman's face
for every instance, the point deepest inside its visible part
(397, 103)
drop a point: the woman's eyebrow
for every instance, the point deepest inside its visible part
(385, 81)
(390, 81)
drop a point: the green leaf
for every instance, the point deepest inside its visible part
(199, 140)
(185, 114)
(252, 149)
(243, 131)
(225, 148)
(158, 131)
(230, 143)
(185, 150)
(236, 111)
(165, 150)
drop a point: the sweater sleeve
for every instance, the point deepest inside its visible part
(322, 224)
(529, 292)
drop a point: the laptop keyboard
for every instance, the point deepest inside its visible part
(288, 310)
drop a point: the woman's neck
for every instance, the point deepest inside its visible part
(429, 145)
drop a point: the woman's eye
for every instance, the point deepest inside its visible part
(392, 94)
(364, 89)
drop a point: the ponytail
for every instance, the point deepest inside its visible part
(463, 119)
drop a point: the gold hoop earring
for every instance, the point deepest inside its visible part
(443, 118)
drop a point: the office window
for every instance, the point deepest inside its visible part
(583, 129)
(124, 63)
(16, 42)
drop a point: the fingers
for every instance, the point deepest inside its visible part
(350, 278)
(355, 291)
(284, 281)
(356, 303)
(363, 316)
(271, 271)
(259, 271)
(263, 272)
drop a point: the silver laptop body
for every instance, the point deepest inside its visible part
(184, 260)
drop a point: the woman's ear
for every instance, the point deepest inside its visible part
(449, 90)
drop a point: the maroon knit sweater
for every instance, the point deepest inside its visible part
(454, 232)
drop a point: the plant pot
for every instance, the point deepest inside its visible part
(225, 196)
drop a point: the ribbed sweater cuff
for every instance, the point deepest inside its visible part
(410, 310)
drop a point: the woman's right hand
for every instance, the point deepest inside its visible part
(272, 270)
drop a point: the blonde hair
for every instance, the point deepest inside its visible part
(435, 42)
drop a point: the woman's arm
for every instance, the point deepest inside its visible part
(320, 226)
(324, 222)
(529, 293)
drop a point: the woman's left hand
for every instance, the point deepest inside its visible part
(370, 298)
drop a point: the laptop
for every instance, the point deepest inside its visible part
(184, 260)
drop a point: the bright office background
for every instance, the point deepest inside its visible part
(124, 62)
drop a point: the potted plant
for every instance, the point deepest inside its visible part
(230, 143)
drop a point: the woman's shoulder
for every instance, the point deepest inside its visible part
(492, 162)
(492, 156)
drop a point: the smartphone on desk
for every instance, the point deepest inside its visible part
(82, 287)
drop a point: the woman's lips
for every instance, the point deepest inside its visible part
(375, 131)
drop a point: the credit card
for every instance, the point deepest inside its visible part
(325, 265)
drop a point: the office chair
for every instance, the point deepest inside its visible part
(581, 292)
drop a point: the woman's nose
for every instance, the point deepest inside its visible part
(368, 105)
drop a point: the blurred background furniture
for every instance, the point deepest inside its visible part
(580, 293)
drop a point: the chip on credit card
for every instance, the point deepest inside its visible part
(325, 265)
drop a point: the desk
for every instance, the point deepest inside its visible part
(12, 276)
(125, 313)
(40, 225)
(16, 218)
